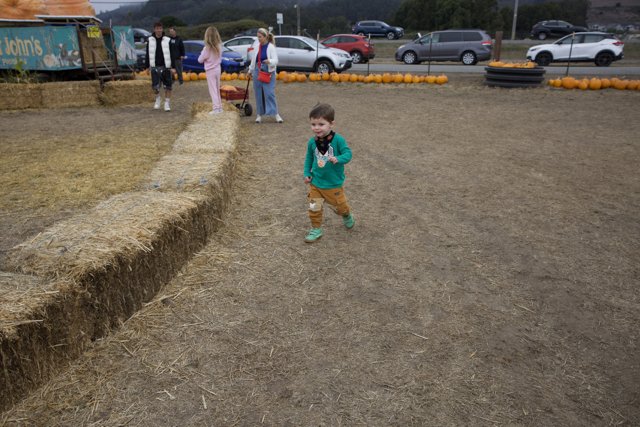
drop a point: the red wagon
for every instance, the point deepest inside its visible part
(236, 94)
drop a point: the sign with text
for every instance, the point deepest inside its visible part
(39, 48)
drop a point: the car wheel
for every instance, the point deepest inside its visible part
(469, 58)
(324, 66)
(356, 56)
(542, 36)
(543, 59)
(604, 59)
(391, 36)
(360, 33)
(409, 57)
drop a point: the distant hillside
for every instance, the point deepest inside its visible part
(336, 13)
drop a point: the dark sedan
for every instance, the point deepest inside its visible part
(544, 29)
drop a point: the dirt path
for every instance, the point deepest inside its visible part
(490, 279)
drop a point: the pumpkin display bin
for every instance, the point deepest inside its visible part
(511, 77)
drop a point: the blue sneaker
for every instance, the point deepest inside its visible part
(349, 221)
(313, 235)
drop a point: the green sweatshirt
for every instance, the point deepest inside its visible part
(323, 173)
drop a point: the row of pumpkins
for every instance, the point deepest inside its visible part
(355, 78)
(501, 64)
(316, 77)
(594, 83)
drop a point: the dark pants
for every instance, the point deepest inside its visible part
(178, 64)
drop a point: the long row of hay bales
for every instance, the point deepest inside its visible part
(75, 281)
(20, 96)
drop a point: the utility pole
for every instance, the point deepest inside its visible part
(297, 6)
(515, 19)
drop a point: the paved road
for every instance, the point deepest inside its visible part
(587, 70)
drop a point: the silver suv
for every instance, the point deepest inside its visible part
(468, 46)
(297, 53)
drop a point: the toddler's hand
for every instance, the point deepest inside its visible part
(333, 160)
(307, 179)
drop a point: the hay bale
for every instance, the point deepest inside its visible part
(70, 94)
(202, 158)
(43, 325)
(18, 96)
(118, 227)
(209, 134)
(104, 264)
(126, 92)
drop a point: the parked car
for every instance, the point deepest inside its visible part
(242, 45)
(141, 59)
(249, 32)
(231, 61)
(298, 53)
(544, 29)
(468, 46)
(358, 46)
(377, 29)
(598, 47)
(140, 35)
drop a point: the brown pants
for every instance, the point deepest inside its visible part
(333, 196)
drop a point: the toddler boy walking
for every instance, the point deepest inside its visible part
(327, 153)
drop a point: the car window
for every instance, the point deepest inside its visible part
(567, 40)
(282, 42)
(453, 36)
(592, 38)
(344, 39)
(291, 43)
(435, 38)
(471, 36)
(332, 40)
(563, 24)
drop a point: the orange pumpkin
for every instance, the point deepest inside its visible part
(620, 84)
(69, 8)
(302, 78)
(202, 76)
(569, 82)
(632, 85)
(194, 76)
(583, 84)
(377, 78)
(595, 84)
(353, 78)
(606, 83)
(408, 78)
(442, 79)
(21, 9)
(430, 79)
(335, 77)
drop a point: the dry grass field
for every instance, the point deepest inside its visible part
(491, 277)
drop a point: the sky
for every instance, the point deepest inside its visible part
(106, 5)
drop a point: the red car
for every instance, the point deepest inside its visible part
(358, 46)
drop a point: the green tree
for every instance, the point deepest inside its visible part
(171, 21)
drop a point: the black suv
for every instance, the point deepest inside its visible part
(544, 29)
(377, 29)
